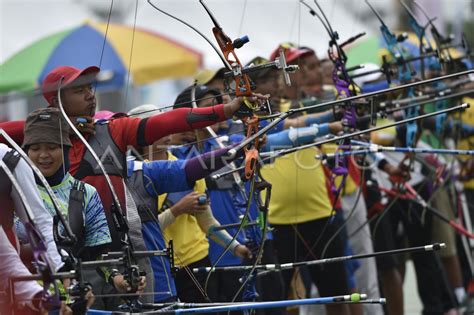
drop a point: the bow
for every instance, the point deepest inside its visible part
(405, 73)
(404, 70)
(345, 87)
(255, 238)
(131, 272)
(243, 88)
(42, 260)
(437, 65)
(443, 43)
(434, 64)
(243, 84)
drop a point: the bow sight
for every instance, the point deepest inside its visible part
(279, 63)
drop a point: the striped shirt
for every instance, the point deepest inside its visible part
(96, 229)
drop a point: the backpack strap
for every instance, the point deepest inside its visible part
(76, 213)
(11, 159)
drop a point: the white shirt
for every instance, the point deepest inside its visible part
(12, 266)
(44, 221)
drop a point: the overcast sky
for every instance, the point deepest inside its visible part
(266, 22)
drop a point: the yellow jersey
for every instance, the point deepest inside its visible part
(299, 188)
(189, 241)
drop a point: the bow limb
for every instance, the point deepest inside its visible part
(440, 40)
(233, 64)
(433, 63)
(226, 64)
(120, 218)
(420, 33)
(132, 273)
(42, 261)
(239, 184)
(262, 186)
(69, 238)
(170, 252)
(243, 88)
(404, 71)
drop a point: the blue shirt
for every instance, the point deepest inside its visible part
(226, 204)
(160, 177)
(277, 128)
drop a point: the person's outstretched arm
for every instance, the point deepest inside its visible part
(184, 119)
(297, 136)
(166, 176)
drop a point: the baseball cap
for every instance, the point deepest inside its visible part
(144, 111)
(184, 98)
(207, 75)
(291, 51)
(368, 67)
(46, 125)
(70, 74)
(256, 62)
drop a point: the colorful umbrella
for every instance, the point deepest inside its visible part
(154, 56)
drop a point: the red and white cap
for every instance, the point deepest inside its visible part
(291, 52)
(68, 74)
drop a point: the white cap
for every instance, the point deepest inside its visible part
(144, 111)
(360, 81)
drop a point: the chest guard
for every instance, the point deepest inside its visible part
(146, 205)
(112, 157)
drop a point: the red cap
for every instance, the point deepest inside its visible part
(70, 74)
(291, 52)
